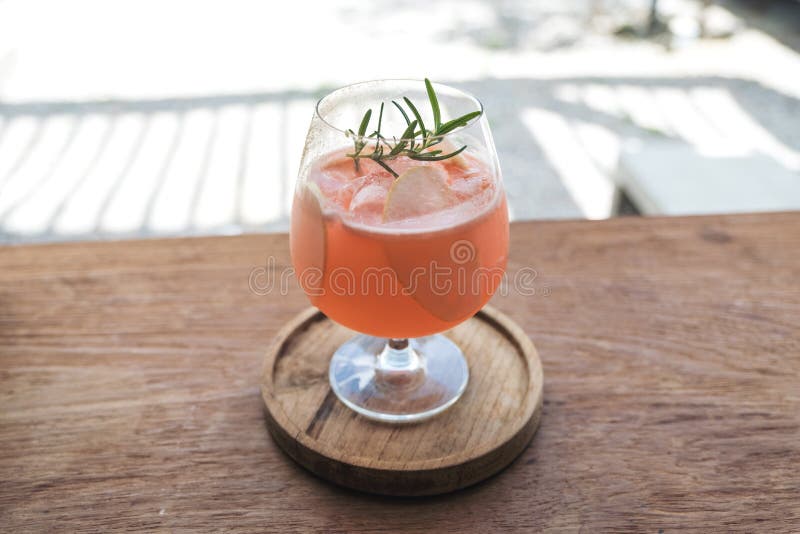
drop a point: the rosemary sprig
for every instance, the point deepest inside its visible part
(407, 145)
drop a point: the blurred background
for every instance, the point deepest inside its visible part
(127, 119)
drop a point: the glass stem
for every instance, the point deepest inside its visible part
(399, 358)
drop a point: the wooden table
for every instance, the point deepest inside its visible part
(129, 394)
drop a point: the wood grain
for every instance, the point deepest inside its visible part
(482, 433)
(129, 387)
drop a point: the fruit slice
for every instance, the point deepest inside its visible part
(438, 273)
(307, 239)
(418, 191)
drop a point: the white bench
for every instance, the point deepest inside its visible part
(673, 178)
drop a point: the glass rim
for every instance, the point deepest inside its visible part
(461, 92)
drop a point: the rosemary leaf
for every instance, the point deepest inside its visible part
(380, 118)
(455, 123)
(388, 169)
(408, 136)
(400, 108)
(425, 156)
(437, 114)
(364, 123)
(417, 115)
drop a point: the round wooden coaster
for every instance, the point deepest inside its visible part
(482, 433)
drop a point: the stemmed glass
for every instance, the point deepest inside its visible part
(400, 232)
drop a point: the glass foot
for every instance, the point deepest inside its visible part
(399, 380)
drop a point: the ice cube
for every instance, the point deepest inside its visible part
(370, 196)
(469, 186)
